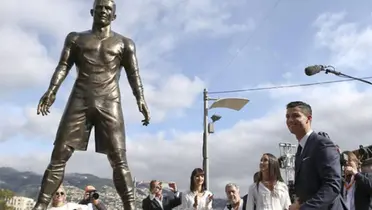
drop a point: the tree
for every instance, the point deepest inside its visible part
(5, 195)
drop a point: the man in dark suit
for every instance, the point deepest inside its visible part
(157, 201)
(317, 164)
(357, 187)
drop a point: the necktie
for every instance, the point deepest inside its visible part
(299, 150)
(298, 154)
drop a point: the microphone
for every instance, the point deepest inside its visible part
(311, 70)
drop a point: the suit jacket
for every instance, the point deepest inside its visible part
(168, 203)
(318, 175)
(363, 191)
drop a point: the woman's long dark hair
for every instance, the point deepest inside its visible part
(274, 169)
(196, 172)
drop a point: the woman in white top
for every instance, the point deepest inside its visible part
(269, 192)
(197, 198)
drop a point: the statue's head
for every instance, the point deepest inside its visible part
(103, 12)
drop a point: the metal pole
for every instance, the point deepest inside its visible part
(205, 139)
(135, 192)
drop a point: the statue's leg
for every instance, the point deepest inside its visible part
(53, 175)
(122, 178)
(110, 139)
(73, 134)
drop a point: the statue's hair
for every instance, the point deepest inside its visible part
(96, 1)
(112, 1)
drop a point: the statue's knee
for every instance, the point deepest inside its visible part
(118, 159)
(61, 154)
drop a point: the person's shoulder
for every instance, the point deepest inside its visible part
(128, 42)
(146, 199)
(252, 187)
(73, 36)
(187, 192)
(282, 185)
(207, 192)
(322, 141)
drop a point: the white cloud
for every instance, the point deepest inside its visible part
(33, 36)
(172, 96)
(349, 43)
(157, 28)
(341, 110)
(24, 60)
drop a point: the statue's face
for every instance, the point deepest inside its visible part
(103, 12)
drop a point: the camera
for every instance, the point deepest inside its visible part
(321, 133)
(93, 195)
(364, 153)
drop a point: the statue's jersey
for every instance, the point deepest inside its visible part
(98, 64)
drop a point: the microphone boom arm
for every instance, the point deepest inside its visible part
(331, 69)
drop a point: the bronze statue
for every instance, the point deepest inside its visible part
(99, 55)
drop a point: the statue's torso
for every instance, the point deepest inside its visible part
(98, 65)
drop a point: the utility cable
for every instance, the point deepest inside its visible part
(285, 86)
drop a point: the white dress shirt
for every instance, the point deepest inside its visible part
(240, 205)
(304, 139)
(157, 199)
(188, 201)
(71, 206)
(349, 194)
(160, 200)
(278, 199)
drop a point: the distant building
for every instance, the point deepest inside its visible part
(21, 203)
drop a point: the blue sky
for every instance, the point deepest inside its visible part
(183, 47)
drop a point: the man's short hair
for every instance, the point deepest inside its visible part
(232, 185)
(152, 184)
(305, 108)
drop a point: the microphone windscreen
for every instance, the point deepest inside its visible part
(311, 70)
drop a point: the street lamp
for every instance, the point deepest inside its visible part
(214, 119)
(287, 162)
(230, 103)
(287, 159)
(135, 191)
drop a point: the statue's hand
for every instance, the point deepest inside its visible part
(46, 102)
(142, 106)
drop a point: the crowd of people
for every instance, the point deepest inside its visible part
(321, 181)
(89, 200)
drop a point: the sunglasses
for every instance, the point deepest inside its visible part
(60, 193)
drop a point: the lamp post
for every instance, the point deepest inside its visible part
(230, 103)
(135, 191)
(287, 162)
(287, 159)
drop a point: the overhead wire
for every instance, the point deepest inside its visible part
(285, 86)
(263, 20)
(250, 36)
